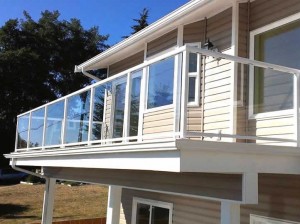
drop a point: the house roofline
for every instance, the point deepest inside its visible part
(159, 24)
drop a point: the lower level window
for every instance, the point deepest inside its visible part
(151, 212)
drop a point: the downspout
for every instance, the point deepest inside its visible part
(86, 73)
(13, 165)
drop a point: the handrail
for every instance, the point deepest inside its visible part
(180, 106)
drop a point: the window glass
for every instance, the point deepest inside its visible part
(55, 115)
(22, 130)
(160, 85)
(273, 90)
(192, 89)
(142, 213)
(193, 62)
(119, 110)
(135, 104)
(36, 128)
(77, 125)
(160, 215)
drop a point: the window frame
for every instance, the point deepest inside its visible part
(150, 202)
(253, 33)
(196, 74)
(168, 106)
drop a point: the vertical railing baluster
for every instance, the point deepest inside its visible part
(44, 128)
(64, 124)
(127, 108)
(184, 95)
(142, 102)
(28, 134)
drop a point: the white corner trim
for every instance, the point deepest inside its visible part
(250, 188)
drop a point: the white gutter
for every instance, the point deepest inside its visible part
(13, 165)
(159, 24)
(87, 74)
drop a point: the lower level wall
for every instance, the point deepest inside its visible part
(279, 198)
(186, 210)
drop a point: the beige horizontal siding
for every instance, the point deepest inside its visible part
(217, 93)
(194, 117)
(126, 63)
(218, 30)
(279, 197)
(264, 12)
(162, 43)
(158, 121)
(185, 210)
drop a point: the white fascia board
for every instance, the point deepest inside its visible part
(162, 25)
(222, 157)
(167, 161)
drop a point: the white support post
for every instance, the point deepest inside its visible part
(230, 213)
(113, 205)
(48, 201)
(250, 188)
(234, 68)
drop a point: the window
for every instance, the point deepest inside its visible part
(160, 83)
(194, 64)
(151, 212)
(256, 219)
(194, 77)
(277, 44)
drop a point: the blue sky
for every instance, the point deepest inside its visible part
(113, 17)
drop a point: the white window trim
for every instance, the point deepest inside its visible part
(196, 74)
(253, 33)
(168, 106)
(268, 220)
(152, 203)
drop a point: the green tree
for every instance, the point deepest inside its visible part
(37, 60)
(141, 23)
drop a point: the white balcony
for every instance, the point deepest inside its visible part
(186, 99)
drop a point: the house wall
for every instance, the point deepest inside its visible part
(159, 121)
(279, 197)
(185, 210)
(215, 75)
(261, 13)
(226, 186)
(126, 63)
(162, 43)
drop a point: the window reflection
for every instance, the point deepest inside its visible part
(135, 104)
(22, 130)
(77, 124)
(36, 128)
(119, 110)
(160, 83)
(55, 115)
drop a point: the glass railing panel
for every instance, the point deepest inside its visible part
(77, 121)
(135, 102)
(22, 131)
(119, 91)
(36, 128)
(55, 115)
(99, 127)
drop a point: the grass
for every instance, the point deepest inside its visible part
(23, 203)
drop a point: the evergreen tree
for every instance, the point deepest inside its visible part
(141, 23)
(37, 61)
